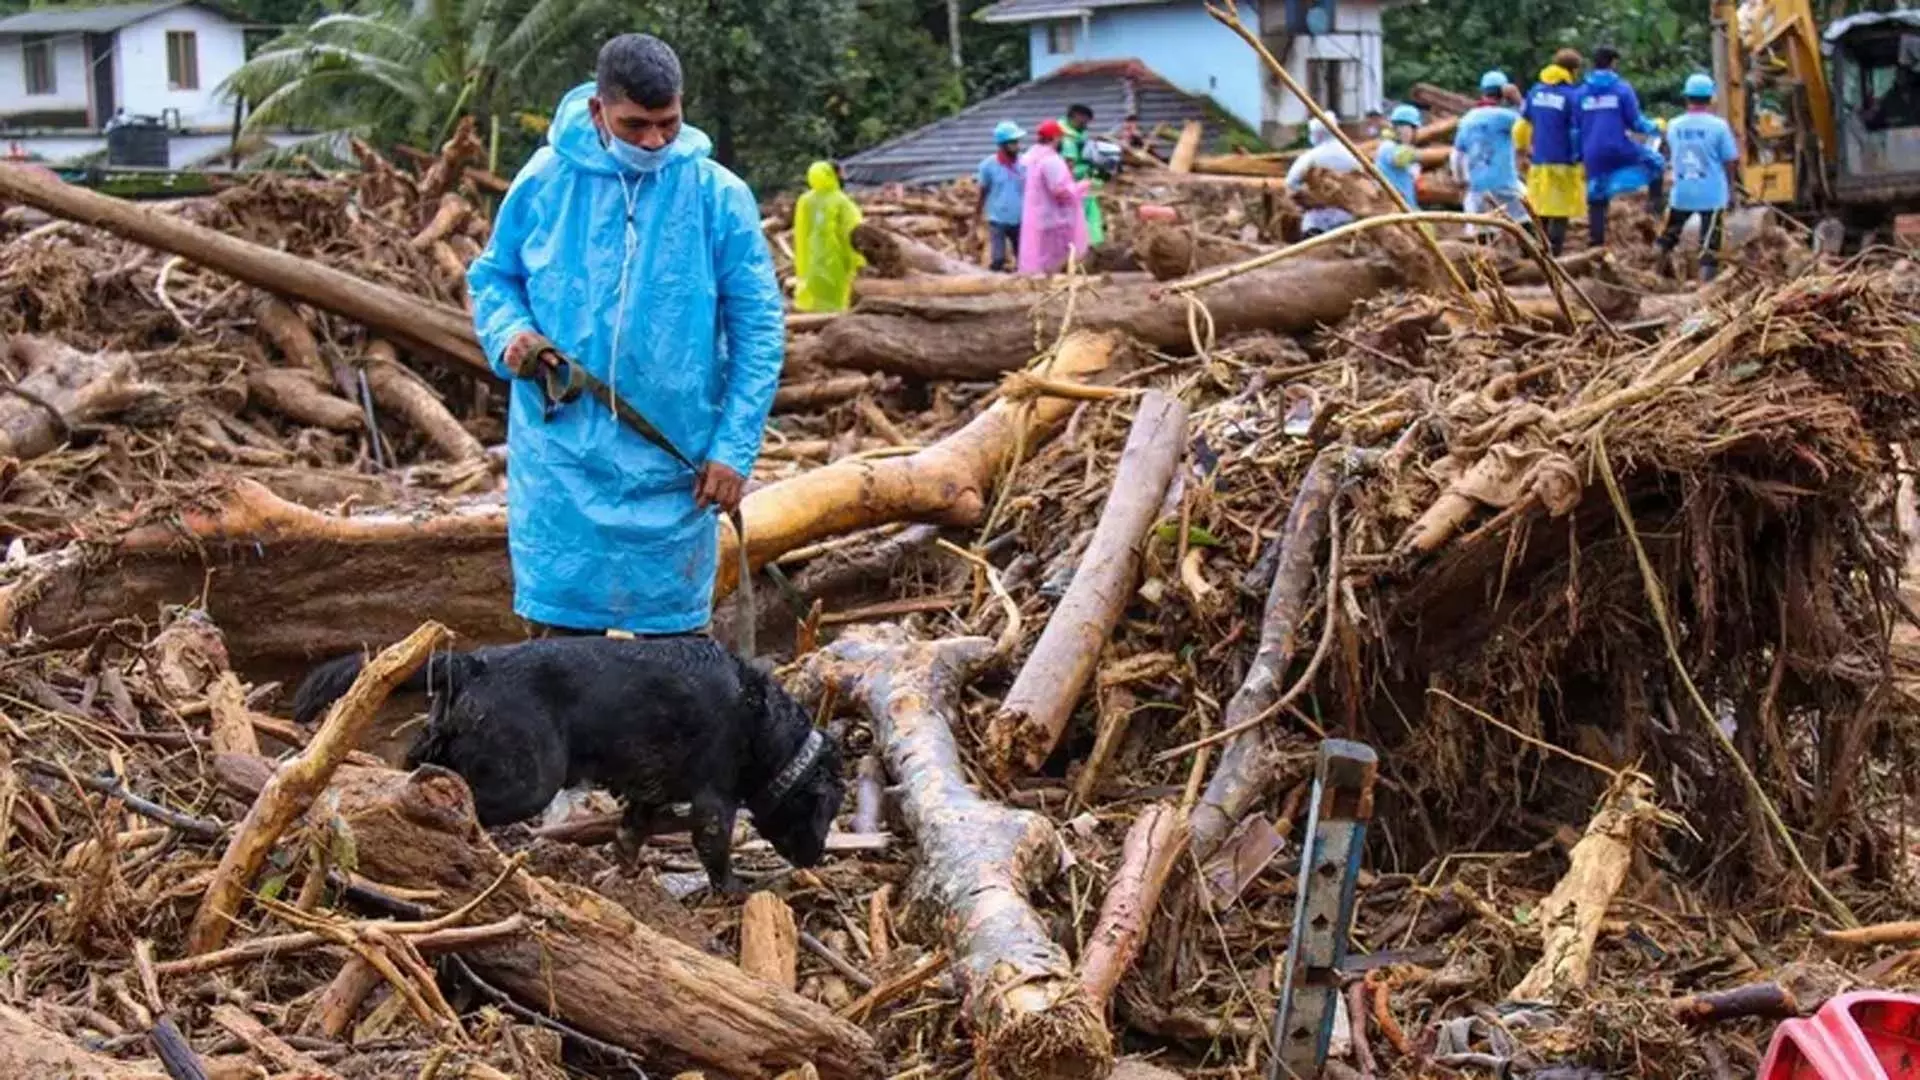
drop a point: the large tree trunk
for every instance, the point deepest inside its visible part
(593, 964)
(958, 344)
(293, 583)
(421, 326)
(893, 254)
(1031, 1018)
(1035, 712)
(1170, 252)
(60, 387)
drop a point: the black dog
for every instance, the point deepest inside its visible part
(657, 721)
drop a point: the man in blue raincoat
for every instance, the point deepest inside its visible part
(642, 260)
(1616, 164)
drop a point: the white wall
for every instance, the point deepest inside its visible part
(182, 150)
(69, 77)
(142, 61)
(1356, 37)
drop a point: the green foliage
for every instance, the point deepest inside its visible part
(1451, 42)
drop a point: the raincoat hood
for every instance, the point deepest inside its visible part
(1555, 75)
(1603, 79)
(575, 138)
(822, 178)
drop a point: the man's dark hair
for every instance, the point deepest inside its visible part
(639, 68)
(1079, 111)
(1604, 57)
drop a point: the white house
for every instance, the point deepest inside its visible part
(65, 72)
(1332, 47)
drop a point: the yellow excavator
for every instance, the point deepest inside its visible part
(1828, 119)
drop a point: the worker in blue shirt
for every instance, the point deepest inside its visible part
(1704, 159)
(1003, 186)
(1483, 151)
(1616, 164)
(1398, 159)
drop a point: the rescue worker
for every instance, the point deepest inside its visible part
(1075, 134)
(1549, 131)
(1323, 152)
(1003, 188)
(1398, 159)
(1053, 222)
(1616, 164)
(1705, 160)
(1483, 153)
(628, 249)
(823, 255)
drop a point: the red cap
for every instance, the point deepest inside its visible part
(1051, 129)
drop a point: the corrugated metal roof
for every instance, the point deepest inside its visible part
(1019, 11)
(952, 148)
(84, 20)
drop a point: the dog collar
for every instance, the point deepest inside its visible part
(803, 760)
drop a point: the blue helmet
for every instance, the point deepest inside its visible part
(1699, 87)
(1493, 82)
(1007, 131)
(1404, 114)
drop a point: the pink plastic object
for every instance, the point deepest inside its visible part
(1156, 212)
(1863, 1036)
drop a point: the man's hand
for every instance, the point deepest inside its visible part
(523, 353)
(718, 485)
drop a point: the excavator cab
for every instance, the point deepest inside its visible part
(1873, 60)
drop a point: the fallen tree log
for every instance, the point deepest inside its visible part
(31, 1049)
(1186, 148)
(291, 583)
(1147, 859)
(593, 965)
(1034, 714)
(1170, 252)
(298, 781)
(891, 254)
(812, 394)
(396, 388)
(59, 387)
(979, 284)
(428, 328)
(1289, 298)
(1571, 915)
(1246, 767)
(1429, 96)
(301, 396)
(1030, 1015)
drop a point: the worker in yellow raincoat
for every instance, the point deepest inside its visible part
(1549, 129)
(823, 255)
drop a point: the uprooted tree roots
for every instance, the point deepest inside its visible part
(1079, 568)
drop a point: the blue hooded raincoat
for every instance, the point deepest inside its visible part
(1609, 114)
(668, 265)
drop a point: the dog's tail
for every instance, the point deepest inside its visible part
(330, 681)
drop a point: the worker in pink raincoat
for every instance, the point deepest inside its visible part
(1053, 227)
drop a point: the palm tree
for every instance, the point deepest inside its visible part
(409, 69)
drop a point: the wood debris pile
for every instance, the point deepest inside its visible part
(1081, 568)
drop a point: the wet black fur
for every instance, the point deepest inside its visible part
(662, 721)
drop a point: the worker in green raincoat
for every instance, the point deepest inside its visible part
(1073, 147)
(823, 255)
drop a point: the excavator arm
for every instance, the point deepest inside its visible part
(1774, 43)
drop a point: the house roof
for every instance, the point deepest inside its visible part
(951, 148)
(103, 19)
(1019, 11)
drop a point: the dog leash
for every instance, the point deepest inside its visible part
(563, 380)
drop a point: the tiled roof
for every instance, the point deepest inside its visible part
(952, 148)
(84, 20)
(1017, 11)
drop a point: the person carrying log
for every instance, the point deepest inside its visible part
(1053, 227)
(1003, 188)
(624, 247)
(1326, 152)
(823, 255)
(1550, 132)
